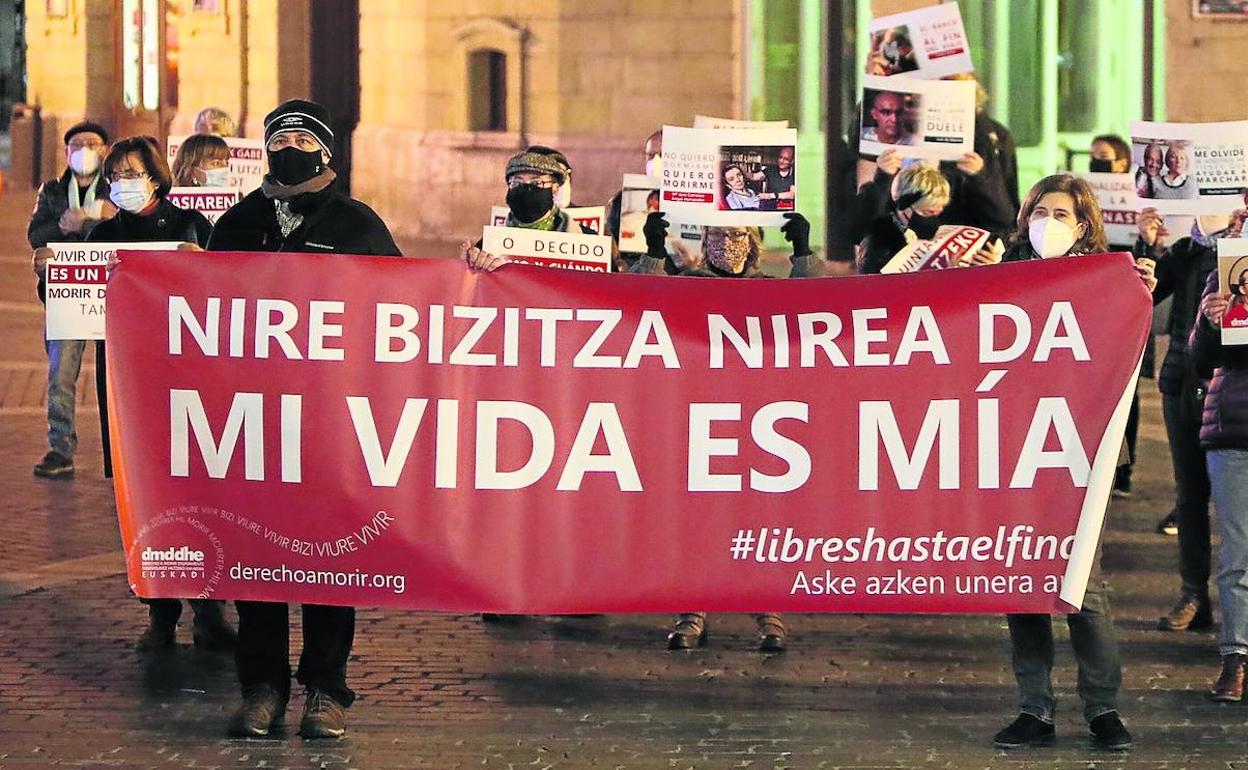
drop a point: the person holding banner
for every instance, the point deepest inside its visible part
(66, 210)
(139, 181)
(297, 208)
(1224, 437)
(1182, 270)
(203, 160)
(1061, 217)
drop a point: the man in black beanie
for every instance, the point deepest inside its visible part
(297, 209)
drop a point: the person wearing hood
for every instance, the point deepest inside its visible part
(66, 210)
(1060, 217)
(537, 180)
(297, 208)
(1182, 270)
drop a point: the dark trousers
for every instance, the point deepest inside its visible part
(263, 651)
(1191, 486)
(165, 612)
(1096, 654)
(1132, 436)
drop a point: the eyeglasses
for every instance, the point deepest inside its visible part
(544, 183)
(889, 112)
(128, 174)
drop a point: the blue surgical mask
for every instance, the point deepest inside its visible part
(130, 194)
(216, 177)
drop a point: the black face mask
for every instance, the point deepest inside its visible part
(529, 203)
(291, 165)
(924, 227)
(1100, 166)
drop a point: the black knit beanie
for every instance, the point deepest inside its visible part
(300, 115)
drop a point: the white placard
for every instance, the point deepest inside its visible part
(585, 216)
(1233, 278)
(703, 121)
(212, 202)
(730, 176)
(1119, 205)
(1190, 168)
(927, 43)
(247, 163)
(76, 278)
(638, 197)
(571, 251)
(920, 118)
(948, 248)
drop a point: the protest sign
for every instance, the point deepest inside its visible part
(1190, 168)
(247, 162)
(76, 277)
(574, 251)
(585, 216)
(926, 43)
(950, 245)
(1116, 194)
(212, 202)
(702, 121)
(410, 433)
(729, 176)
(920, 118)
(638, 197)
(1233, 280)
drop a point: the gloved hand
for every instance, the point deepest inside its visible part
(655, 231)
(797, 232)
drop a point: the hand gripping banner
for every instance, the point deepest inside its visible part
(406, 433)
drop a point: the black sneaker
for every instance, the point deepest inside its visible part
(323, 717)
(55, 465)
(1168, 525)
(1108, 732)
(1122, 487)
(1027, 730)
(262, 710)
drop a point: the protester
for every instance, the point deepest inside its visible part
(66, 210)
(918, 196)
(139, 181)
(534, 177)
(1224, 437)
(297, 208)
(1110, 154)
(215, 121)
(652, 153)
(203, 160)
(1182, 270)
(1148, 175)
(995, 145)
(1061, 217)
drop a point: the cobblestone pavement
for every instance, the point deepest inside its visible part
(446, 691)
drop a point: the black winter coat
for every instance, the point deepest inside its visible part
(50, 206)
(166, 223)
(332, 223)
(1224, 422)
(1182, 271)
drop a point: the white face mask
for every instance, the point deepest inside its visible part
(130, 194)
(217, 177)
(563, 196)
(84, 161)
(1050, 237)
(654, 166)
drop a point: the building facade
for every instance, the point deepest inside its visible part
(431, 96)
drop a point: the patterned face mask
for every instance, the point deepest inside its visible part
(728, 249)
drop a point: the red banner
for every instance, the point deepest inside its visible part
(405, 433)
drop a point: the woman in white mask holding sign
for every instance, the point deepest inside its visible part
(1060, 217)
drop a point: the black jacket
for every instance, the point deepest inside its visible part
(1224, 422)
(166, 223)
(882, 242)
(332, 223)
(1182, 271)
(45, 220)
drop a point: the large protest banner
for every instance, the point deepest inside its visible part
(1190, 168)
(407, 433)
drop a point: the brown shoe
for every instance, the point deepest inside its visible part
(1189, 613)
(323, 717)
(1230, 685)
(263, 709)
